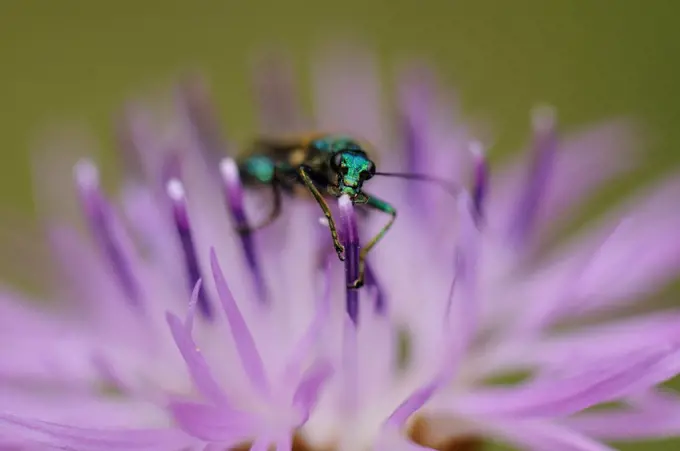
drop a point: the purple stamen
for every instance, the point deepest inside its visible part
(350, 238)
(234, 197)
(175, 192)
(100, 218)
(545, 145)
(481, 180)
(371, 281)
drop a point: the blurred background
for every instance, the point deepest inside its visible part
(589, 58)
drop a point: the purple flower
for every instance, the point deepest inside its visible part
(273, 351)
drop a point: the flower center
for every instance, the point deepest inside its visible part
(422, 434)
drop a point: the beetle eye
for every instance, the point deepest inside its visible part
(370, 170)
(336, 161)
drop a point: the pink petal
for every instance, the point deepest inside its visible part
(584, 161)
(544, 436)
(349, 375)
(652, 417)
(148, 220)
(19, 314)
(390, 439)
(310, 338)
(189, 320)
(285, 443)
(245, 344)
(89, 283)
(78, 405)
(42, 344)
(412, 404)
(214, 423)
(637, 259)
(196, 364)
(375, 337)
(461, 313)
(636, 425)
(547, 307)
(600, 383)
(261, 444)
(605, 340)
(464, 308)
(307, 392)
(58, 436)
(453, 336)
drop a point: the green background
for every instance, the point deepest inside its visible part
(589, 58)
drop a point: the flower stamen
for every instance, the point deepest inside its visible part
(175, 191)
(536, 184)
(233, 190)
(100, 219)
(350, 237)
(421, 432)
(481, 180)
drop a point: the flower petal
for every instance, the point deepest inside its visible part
(260, 444)
(311, 336)
(349, 376)
(412, 404)
(592, 157)
(59, 436)
(544, 436)
(648, 237)
(390, 439)
(215, 423)
(655, 416)
(307, 392)
(463, 311)
(285, 443)
(607, 340)
(245, 344)
(636, 425)
(196, 364)
(602, 382)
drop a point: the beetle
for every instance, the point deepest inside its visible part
(325, 165)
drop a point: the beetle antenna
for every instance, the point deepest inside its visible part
(451, 187)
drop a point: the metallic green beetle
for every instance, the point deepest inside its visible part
(324, 165)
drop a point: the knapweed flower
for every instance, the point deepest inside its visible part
(171, 331)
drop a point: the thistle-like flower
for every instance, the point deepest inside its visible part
(173, 332)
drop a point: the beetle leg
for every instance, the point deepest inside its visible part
(339, 248)
(380, 205)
